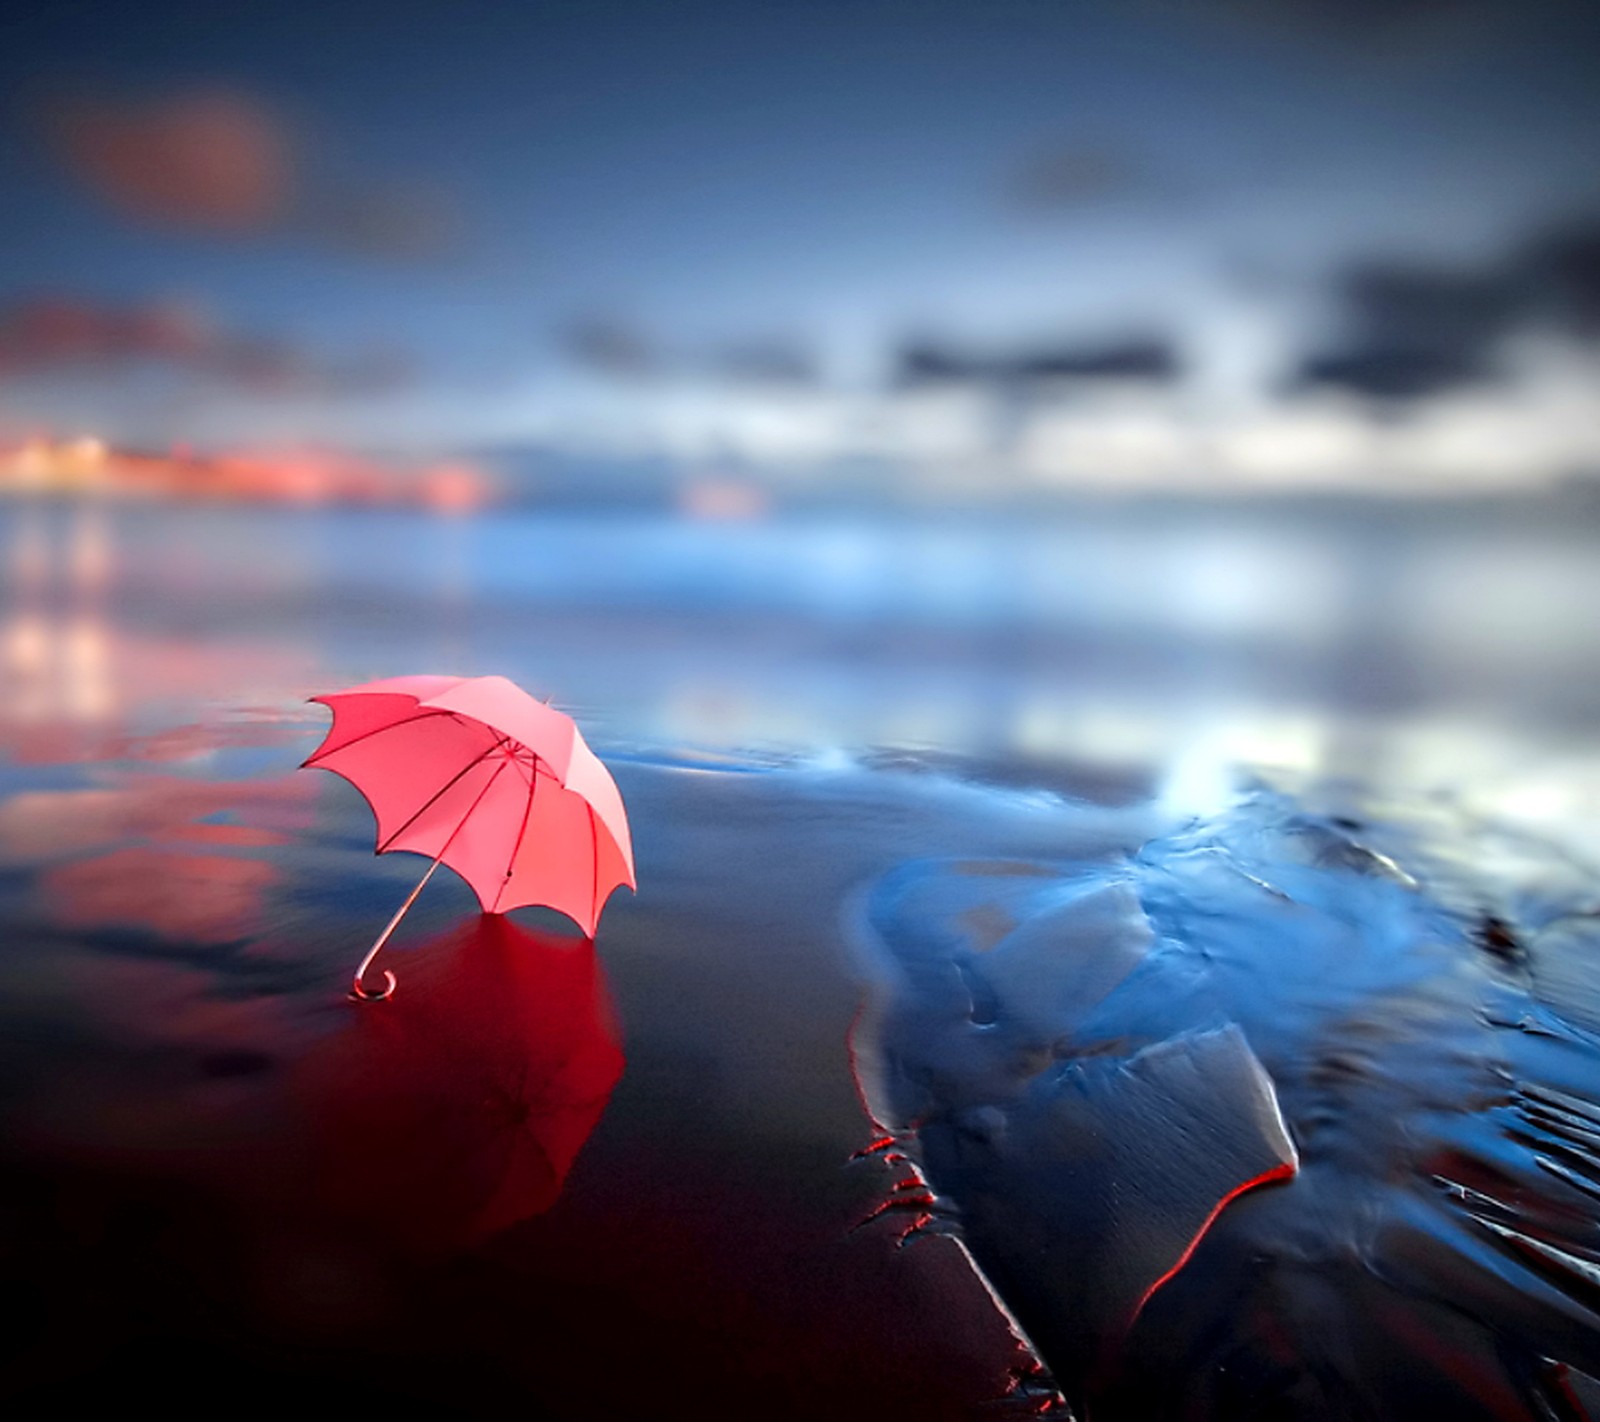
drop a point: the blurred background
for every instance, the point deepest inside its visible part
(1103, 394)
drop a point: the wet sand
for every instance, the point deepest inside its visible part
(194, 1114)
(577, 1178)
(741, 1153)
(1098, 1059)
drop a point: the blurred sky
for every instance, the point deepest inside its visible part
(1225, 243)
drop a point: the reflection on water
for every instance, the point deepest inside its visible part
(455, 1113)
(309, 1197)
(1384, 641)
(458, 1109)
(178, 1067)
(164, 854)
(56, 635)
(206, 1140)
(189, 897)
(78, 672)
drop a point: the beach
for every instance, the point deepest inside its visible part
(661, 1170)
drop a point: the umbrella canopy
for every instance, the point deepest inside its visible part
(476, 774)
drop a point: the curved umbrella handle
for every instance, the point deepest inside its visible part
(361, 994)
(357, 991)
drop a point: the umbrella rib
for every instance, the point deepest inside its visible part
(527, 814)
(359, 992)
(594, 853)
(448, 785)
(378, 731)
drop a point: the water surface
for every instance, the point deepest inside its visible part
(864, 760)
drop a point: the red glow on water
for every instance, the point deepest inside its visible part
(1031, 1389)
(1282, 1171)
(165, 853)
(922, 1201)
(459, 1109)
(454, 489)
(724, 500)
(205, 898)
(885, 1136)
(1484, 1381)
(1558, 1379)
(294, 475)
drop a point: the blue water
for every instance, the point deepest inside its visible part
(1336, 641)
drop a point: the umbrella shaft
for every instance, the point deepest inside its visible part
(411, 898)
(394, 922)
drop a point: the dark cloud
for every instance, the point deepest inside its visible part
(1432, 309)
(406, 222)
(1393, 373)
(1561, 273)
(1408, 331)
(49, 336)
(1137, 358)
(610, 346)
(1073, 176)
(765, 362)
(619, 349)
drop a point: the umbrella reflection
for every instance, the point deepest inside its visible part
(458, 1109)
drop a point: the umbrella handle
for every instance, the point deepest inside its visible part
(361, 994)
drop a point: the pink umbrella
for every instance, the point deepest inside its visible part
(474, 773)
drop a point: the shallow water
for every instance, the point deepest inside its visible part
(958, 769)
